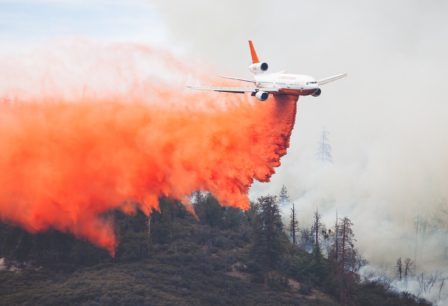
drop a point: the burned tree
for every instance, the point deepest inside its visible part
(347, 262)
(408, 268)
(336, 238)
(316, 229)
(333, 247)
(293, 226)
(347, 256)
(399, 267)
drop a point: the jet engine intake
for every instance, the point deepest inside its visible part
(262, 95)
(317, 92)
(259, 67)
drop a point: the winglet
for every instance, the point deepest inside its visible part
(253, 53)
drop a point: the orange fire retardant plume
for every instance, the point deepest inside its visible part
(63, 164)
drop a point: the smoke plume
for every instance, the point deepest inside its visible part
(387, 121)
(96, 128)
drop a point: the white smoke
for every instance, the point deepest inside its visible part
(387, 120)
(429, 286)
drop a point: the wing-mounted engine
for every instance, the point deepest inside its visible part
(262, 95)
(317, 92)
(258, 68)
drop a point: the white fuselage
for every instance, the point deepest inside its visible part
(286, 83)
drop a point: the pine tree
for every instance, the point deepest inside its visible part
(293, 225)
(284, 196)
(208, 209)
(269, 236)
(346, 250)
(161, 222)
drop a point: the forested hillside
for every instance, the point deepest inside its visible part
(221, 256)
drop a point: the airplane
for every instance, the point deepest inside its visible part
(277, 83)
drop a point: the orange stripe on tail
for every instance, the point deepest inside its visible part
(253, 53)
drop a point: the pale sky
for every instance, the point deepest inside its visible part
(31, 20)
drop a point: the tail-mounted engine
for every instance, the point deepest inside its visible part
(259, 67)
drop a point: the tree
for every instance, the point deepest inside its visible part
(336, 238)
(211, 212)
(284, 196)
(348, 261)
(208, 210)
(316, 229)
(409, 267)
(197, 197)
(306, 241)
(232, 218)
(293, 225)
(268, 232)
(133, 231)
(399, 267)
(347, 252)
(163, 222)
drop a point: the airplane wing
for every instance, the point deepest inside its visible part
(331, 79)
(240, 90)
(225, 89)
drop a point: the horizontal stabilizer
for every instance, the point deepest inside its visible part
(236, 79)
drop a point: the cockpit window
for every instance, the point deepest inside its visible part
(309, 83)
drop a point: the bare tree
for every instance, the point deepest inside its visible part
(399, 267)
(316, 229)
(336, 238)
(293, 225)
(426, 283)
(442, 283)
(409, 268)
(348, 259)
(346, 251)
(324, 151)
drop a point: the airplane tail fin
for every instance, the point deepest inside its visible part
(253, 53)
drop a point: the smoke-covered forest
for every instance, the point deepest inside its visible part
(212, 255)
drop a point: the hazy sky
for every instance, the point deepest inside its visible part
(31, 20)
(387, 121)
